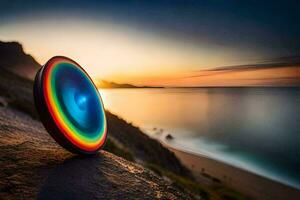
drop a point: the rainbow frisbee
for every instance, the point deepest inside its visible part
(70, 106)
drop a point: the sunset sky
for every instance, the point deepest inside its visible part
(167, 42)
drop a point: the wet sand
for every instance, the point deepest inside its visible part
(208, 171)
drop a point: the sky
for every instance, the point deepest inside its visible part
(167, 42)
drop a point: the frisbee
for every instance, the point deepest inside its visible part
(70, 106)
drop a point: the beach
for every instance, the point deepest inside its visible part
(210, 171)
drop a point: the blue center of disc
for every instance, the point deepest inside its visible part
(78, 98)
(81, 101)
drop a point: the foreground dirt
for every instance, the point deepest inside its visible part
(34, 166)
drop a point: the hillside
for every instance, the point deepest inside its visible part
(13, 58)
(18, 90)
(29, 155)
(33, 166)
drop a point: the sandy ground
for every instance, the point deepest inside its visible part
(254, 186)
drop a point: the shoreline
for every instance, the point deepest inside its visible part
(210, 171)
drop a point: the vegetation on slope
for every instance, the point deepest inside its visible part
(125, 140)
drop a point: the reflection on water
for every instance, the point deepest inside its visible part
(257, 129)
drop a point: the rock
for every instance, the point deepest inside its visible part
(34, 166)
(169, 137)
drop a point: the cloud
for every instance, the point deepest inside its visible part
(280, 71)
(280, 62)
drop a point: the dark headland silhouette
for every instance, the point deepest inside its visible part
(12, 57)
(110, 84)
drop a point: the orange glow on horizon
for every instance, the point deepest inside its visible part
(116, 52)
(120, 54)
(279, 76)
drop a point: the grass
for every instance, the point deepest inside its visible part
(18, 91)
(112, 147)
(215, 192)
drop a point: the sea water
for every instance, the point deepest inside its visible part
(256, 129)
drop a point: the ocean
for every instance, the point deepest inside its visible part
(256, 129)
